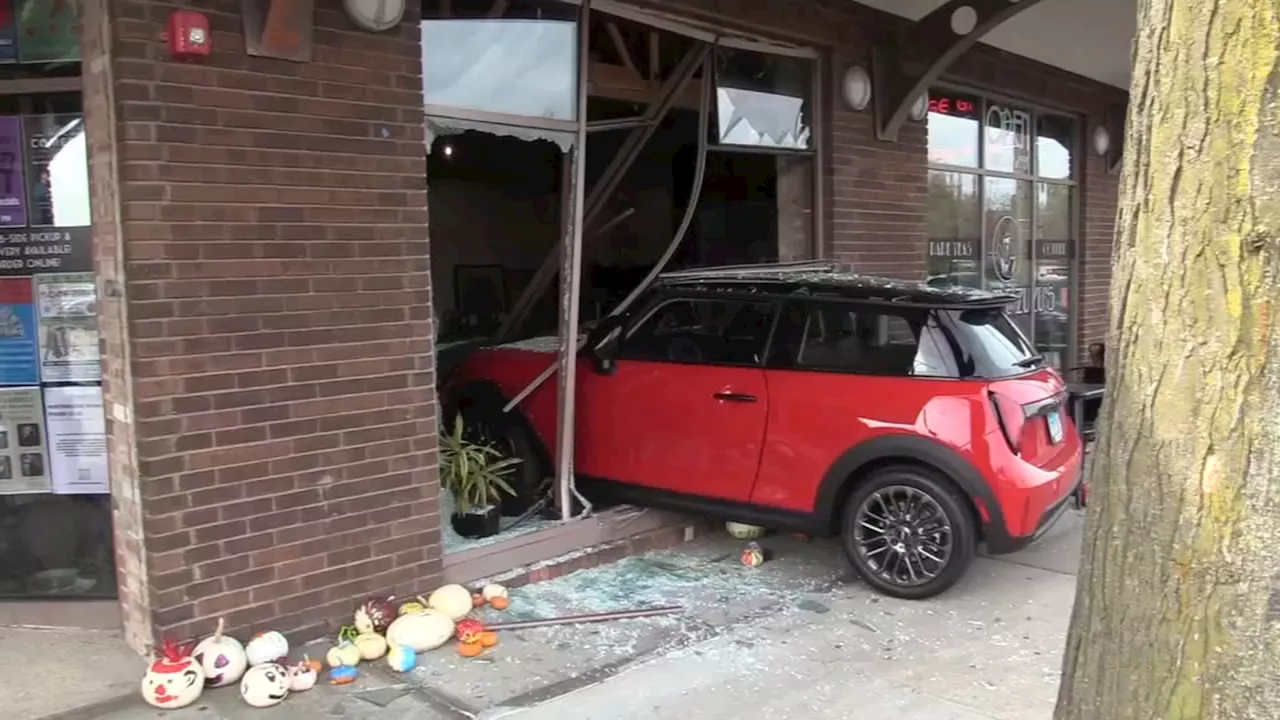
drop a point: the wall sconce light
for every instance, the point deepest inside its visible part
(920, 108)
(855, 88)
(1101, 140)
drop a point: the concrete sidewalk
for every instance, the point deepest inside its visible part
(794, 638)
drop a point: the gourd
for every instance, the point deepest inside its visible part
(452, 600)
(371, 646)
(493, 590)
(222, 658)
(421, 631)
(302, 677)
(345, 652)
(175, 679)
(374, 615)
(402, 659)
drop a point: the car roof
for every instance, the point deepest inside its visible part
(826, 279)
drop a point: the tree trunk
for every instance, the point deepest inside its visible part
(1177, 614)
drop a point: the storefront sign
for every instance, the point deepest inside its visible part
(67, 311)
(23, 458)
(49, 31)
(953, 249)
(45, 250)
(77, 440)
(18, 365)
(1010, 129)
(57, 171)
(965, 106)
(13, 186)
(8, 33)
(1053, 249)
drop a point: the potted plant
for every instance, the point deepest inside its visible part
(476, 475)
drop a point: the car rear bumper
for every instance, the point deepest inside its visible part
(1000, 542)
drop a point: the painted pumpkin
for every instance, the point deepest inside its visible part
(302, 677)
(753, 556)
(415, 605)
(265, 685)
(374, 615)
(343, 675)
(267, 647)
(470, 649)
(402, 659)
(493, 590)
(452, 600)
(469, 630)
(175, 679)
(221, 657)
(421, 631)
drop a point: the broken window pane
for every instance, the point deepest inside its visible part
(764, 100)
(515, 59)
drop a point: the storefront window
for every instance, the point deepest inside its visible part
(523, 62)
(955, 228)
(954, 129)
(763, 100)
(1008, 224)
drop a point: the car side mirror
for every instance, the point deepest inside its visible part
(602, 347)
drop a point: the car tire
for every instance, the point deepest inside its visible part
(911, 505)
(509, 432)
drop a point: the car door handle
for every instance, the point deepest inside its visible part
(734, 397)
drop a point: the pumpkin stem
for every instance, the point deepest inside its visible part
(217, 633)
(347, 633)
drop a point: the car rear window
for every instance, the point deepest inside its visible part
(988, 345)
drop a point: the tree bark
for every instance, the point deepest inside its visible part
(1177, 612)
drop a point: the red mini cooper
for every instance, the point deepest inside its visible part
(913, 422)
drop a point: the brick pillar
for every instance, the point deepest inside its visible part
(878, 190)
(261, 241)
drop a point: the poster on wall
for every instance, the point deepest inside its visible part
(48, 31)
(23, 458)
(66, 310)
(8, 33)
(18, 363)
(13, 185)
(77, 440)
(57, 170)
(33, 251)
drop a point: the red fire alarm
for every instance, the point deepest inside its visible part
(188, 35)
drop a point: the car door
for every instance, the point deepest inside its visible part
(685, 406)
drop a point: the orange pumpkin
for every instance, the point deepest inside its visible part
(470, 650)
(488, 639)
(477, 599)
(500, 603)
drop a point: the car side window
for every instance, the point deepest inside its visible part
(703, 331)
(867, 340)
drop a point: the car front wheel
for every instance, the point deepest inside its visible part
(908, 534)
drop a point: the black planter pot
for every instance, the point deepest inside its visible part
(477, 524)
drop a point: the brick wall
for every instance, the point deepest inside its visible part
(268, 232)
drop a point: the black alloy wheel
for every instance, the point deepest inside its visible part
(908, 534)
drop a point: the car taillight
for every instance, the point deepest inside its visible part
(1012, 419)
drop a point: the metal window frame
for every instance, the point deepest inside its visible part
(1078, 165)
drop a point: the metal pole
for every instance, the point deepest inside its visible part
(571, 285)
(704, 111)
(586, 618)
(627, 154)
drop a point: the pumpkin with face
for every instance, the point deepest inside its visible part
(222, 658)
(175, 679)
(265, 685)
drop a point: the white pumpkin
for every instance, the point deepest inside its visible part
(493, 590)
(265, 685)
(453, 600)
(302, 677)
(421, 631)
(742, 531)
(222, 658)
(267, 647)
(174, 680)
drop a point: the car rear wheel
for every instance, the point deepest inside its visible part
(908, 534)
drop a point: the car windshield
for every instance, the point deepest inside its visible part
(989, 345)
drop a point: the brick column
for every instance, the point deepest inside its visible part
(261, 241)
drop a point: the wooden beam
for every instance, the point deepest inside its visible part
(616, 82)
(620, 44)
(655, 58)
